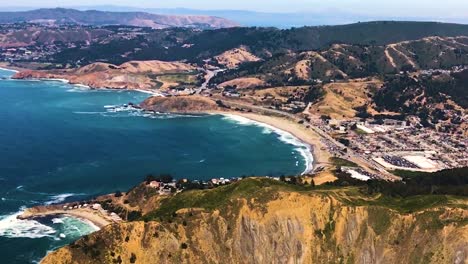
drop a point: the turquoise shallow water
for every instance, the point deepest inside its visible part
(60, 142)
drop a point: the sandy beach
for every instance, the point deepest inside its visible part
(86, 214)
(96, 217)
(6, 66)
(308, 136)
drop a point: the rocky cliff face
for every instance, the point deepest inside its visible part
(284, 227)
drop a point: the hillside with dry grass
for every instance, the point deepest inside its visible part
(344, 61)
(148, 75)
(265, 221)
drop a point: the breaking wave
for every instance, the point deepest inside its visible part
(61, 227)
(302, 148)
(55, 199)
(12, 227)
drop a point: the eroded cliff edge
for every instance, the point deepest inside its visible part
(258, 221)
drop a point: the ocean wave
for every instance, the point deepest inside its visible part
(55, 80)
(302, 148)
(68, 226)
(12, 227)
(82, 86)
(55, 199)
(130, 111)
(75, 227)
(88, 113)
(110, 106)
(9, 70)
(57, 221)
(78, 89)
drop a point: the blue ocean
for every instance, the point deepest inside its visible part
(60, 142)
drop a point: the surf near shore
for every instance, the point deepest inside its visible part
(95, 215)
(6, 69)
(5, 66)
(314, 154)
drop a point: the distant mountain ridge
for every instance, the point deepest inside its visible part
(279, 19)
(262, 42)
(99, 18)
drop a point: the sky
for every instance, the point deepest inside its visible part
(390, 8)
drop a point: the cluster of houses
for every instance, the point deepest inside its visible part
(454, 69)
(294, 106)
(184, 184)
(164, 188)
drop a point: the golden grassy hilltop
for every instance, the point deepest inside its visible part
(265, 221)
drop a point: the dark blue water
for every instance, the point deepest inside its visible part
(61, 142)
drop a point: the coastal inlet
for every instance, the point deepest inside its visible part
(59, 140)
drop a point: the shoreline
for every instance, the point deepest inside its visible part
(306, 136)
(6, 69)
(313, 152)
(300, 145)
(90, 217)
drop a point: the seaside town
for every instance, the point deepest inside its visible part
(378, 146)
(266, 135)
(38, 42)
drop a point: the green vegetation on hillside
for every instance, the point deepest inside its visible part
(342, 162)
(262, 189)
(457, 172)
(411, 195)
(446, 182)
(426, 97)
(167, 44)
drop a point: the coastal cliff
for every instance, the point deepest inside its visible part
(130, 75)
(180, 104)
(262, 221)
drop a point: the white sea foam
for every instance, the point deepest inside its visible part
(12, 227)
(76, 227)
(54, 80)
(303, 148)
(78, 88)
(90, 224)
(130, 111)
(154, 93)
(82, 86)
(55, 199)
(10, 70)
(57, 221)
(87, 113)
